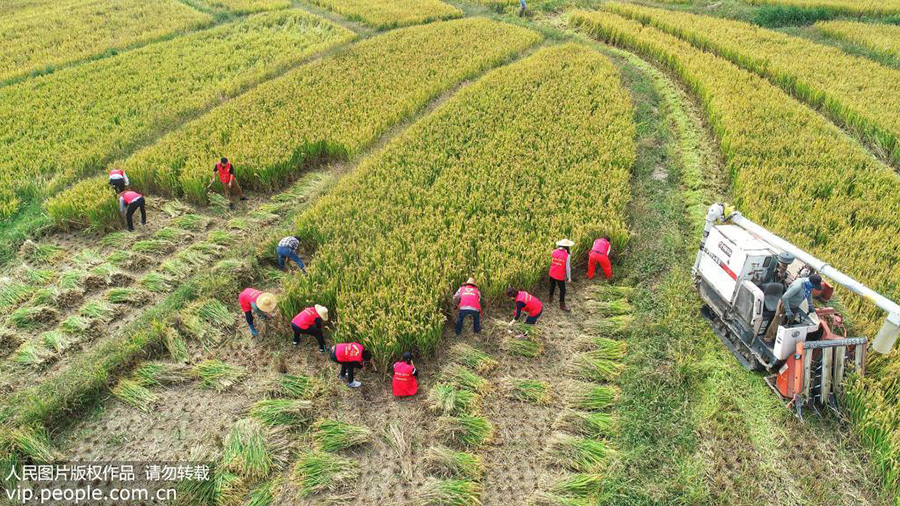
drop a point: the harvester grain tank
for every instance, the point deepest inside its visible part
(741, 272)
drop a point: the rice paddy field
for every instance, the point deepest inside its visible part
(410, 145)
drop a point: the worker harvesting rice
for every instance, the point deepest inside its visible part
(525, 302)
(310, 322)
(287, 250)
(404, 382)
(600, 255)
(256, 301)
(560, 270)
(351, 356)
(468, 300)
(230, 186)
(129, 202)
(118, 180)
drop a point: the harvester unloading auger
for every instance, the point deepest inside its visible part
(742, 271)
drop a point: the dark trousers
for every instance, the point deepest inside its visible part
(248, 315)
(531, 320)
(562, 289)
(347, 368)
(476, 320)
(312, 331)
(118, 183)
(135, 204)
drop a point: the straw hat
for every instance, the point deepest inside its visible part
(565, 243)
(266, 302)
(471, 281)
(323, 312)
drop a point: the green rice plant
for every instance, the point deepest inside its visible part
(265, 494)
(617, 307)
(191, 221)
(13, 292)
(119, 257)
(153, 246)
(262, 217)
(55, 340)
(588, 367)
(384, 14)
(464, 378)
(450, 493)
(579, 485)
(175, 269)
(220, 237)
(448, 463)
(116, 239)
(240, 224)
(88, 257)
(609, 292)
(161, 374)
(31, 443)
(334, 435)
(29, 354)
(175, 345)
(71, 280)
(75, 325)
(541, 498)
(611, 326)
(447, 399)
(475, 359)
(590, 425)
(104, 272)
(298, 387)
(174, 208)
(217, 375)
(168, 234)
(37, 276)
(579, 454)
(275, 412)
(524, 347)
(217, 202)
(233, 268)
(206, 320)
(590, 397)
(155, 282)
(602, 347)
(320, 471)
(245, 451)
(129, 295)
(97, 310)
(30, 317)
(134, 394)
(198, 254)
(40, 253)
(45, 296)
(532, 391)
(467, 431)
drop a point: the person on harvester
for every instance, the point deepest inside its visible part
(287, 250)
(560, 271)
(256, 301)
(129, 202)
(118, 180)
(600, 255)
(404, 382)
(527, 303)
(351, 356)
(468, 301)
(309, 322)
(230, 186)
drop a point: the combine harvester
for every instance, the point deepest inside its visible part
(741, 272)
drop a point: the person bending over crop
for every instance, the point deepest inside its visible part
(600, 255)
(309, 322)
(351, 356)
(525, 302)
(404, 382)
(230, 186)
(287, 249)
(560, 271)
(255, 301)
(468, 301)
(118, 180)
(129, 202)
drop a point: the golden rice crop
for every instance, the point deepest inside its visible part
(870, 7)
(799, 175)
(245, 6)
(52, 34)
(384, 14)
(331, 107)
(483, 187)
(881, 38)
(113, 104)
(856, 91)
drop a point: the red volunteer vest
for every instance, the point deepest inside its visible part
(469, 296)
(247, 297)
(558, 264)
(601, 246)
(129, 196)
(224, 172)
(404, 383)
(117, 172)
(348, 352)
(532, 305)
(306, 318)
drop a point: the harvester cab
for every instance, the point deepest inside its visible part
(741, 272)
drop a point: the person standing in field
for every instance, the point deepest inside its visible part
(522, 8)
(256, 301)
(600, 255)
(468, 301)
(129, 202)
(287, 249)
(118, 180)
(310, 322)
(230, 186)
(560, 271)
(404, 382)
(351, 356)
(527, 303)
